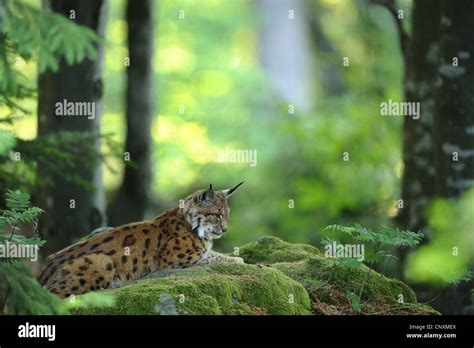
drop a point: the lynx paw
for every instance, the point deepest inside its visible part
(239, 260)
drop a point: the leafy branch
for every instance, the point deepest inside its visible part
(388, 237)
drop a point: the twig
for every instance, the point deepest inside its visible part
(388, 261)
(327, 281)
(5, 301)
(13, 232)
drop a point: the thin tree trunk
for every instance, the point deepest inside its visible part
(134, 193)
(71, 210)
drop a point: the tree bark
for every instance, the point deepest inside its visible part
(454, 116)
(62, 224)
(134, 193)
(419, 86)
(454, 124)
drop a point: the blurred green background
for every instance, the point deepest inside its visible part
(212, 92)
(300, 155)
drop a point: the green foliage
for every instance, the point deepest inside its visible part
(91, 299)
(7, 141)
(18, 211)
(28, 32)
(60, 152)
(18, 208)
(459, 276)
(20, 293)
(31, 36)
(449, 254)
(355, 301)
(349, 262)
(388, 237)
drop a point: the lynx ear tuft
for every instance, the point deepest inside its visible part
(229, 192)
(207, 196)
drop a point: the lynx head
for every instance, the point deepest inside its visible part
(207, 211)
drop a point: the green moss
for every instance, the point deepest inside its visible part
(215, 289)
(296, 279)
(377, 289)
(272, 249)
(329, 282)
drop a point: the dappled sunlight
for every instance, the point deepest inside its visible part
(213, 83)
(174, 58)
(190, 137)
(116, 51)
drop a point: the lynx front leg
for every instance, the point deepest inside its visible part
(213, 257)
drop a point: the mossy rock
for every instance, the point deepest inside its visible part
(215, 289)
(328, 282)
(279, 278)
(272, 249)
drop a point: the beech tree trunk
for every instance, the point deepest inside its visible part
(72, 211)
(420, 85)
(454, 124)
(454, 113)
(133, 196)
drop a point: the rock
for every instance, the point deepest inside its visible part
(279, 278)
(215, 289)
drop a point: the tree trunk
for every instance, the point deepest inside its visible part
(454, 121)
(454, 116)
(71, 210)
(419, 85)
(134, 193)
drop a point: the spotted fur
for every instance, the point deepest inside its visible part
(180, 237)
